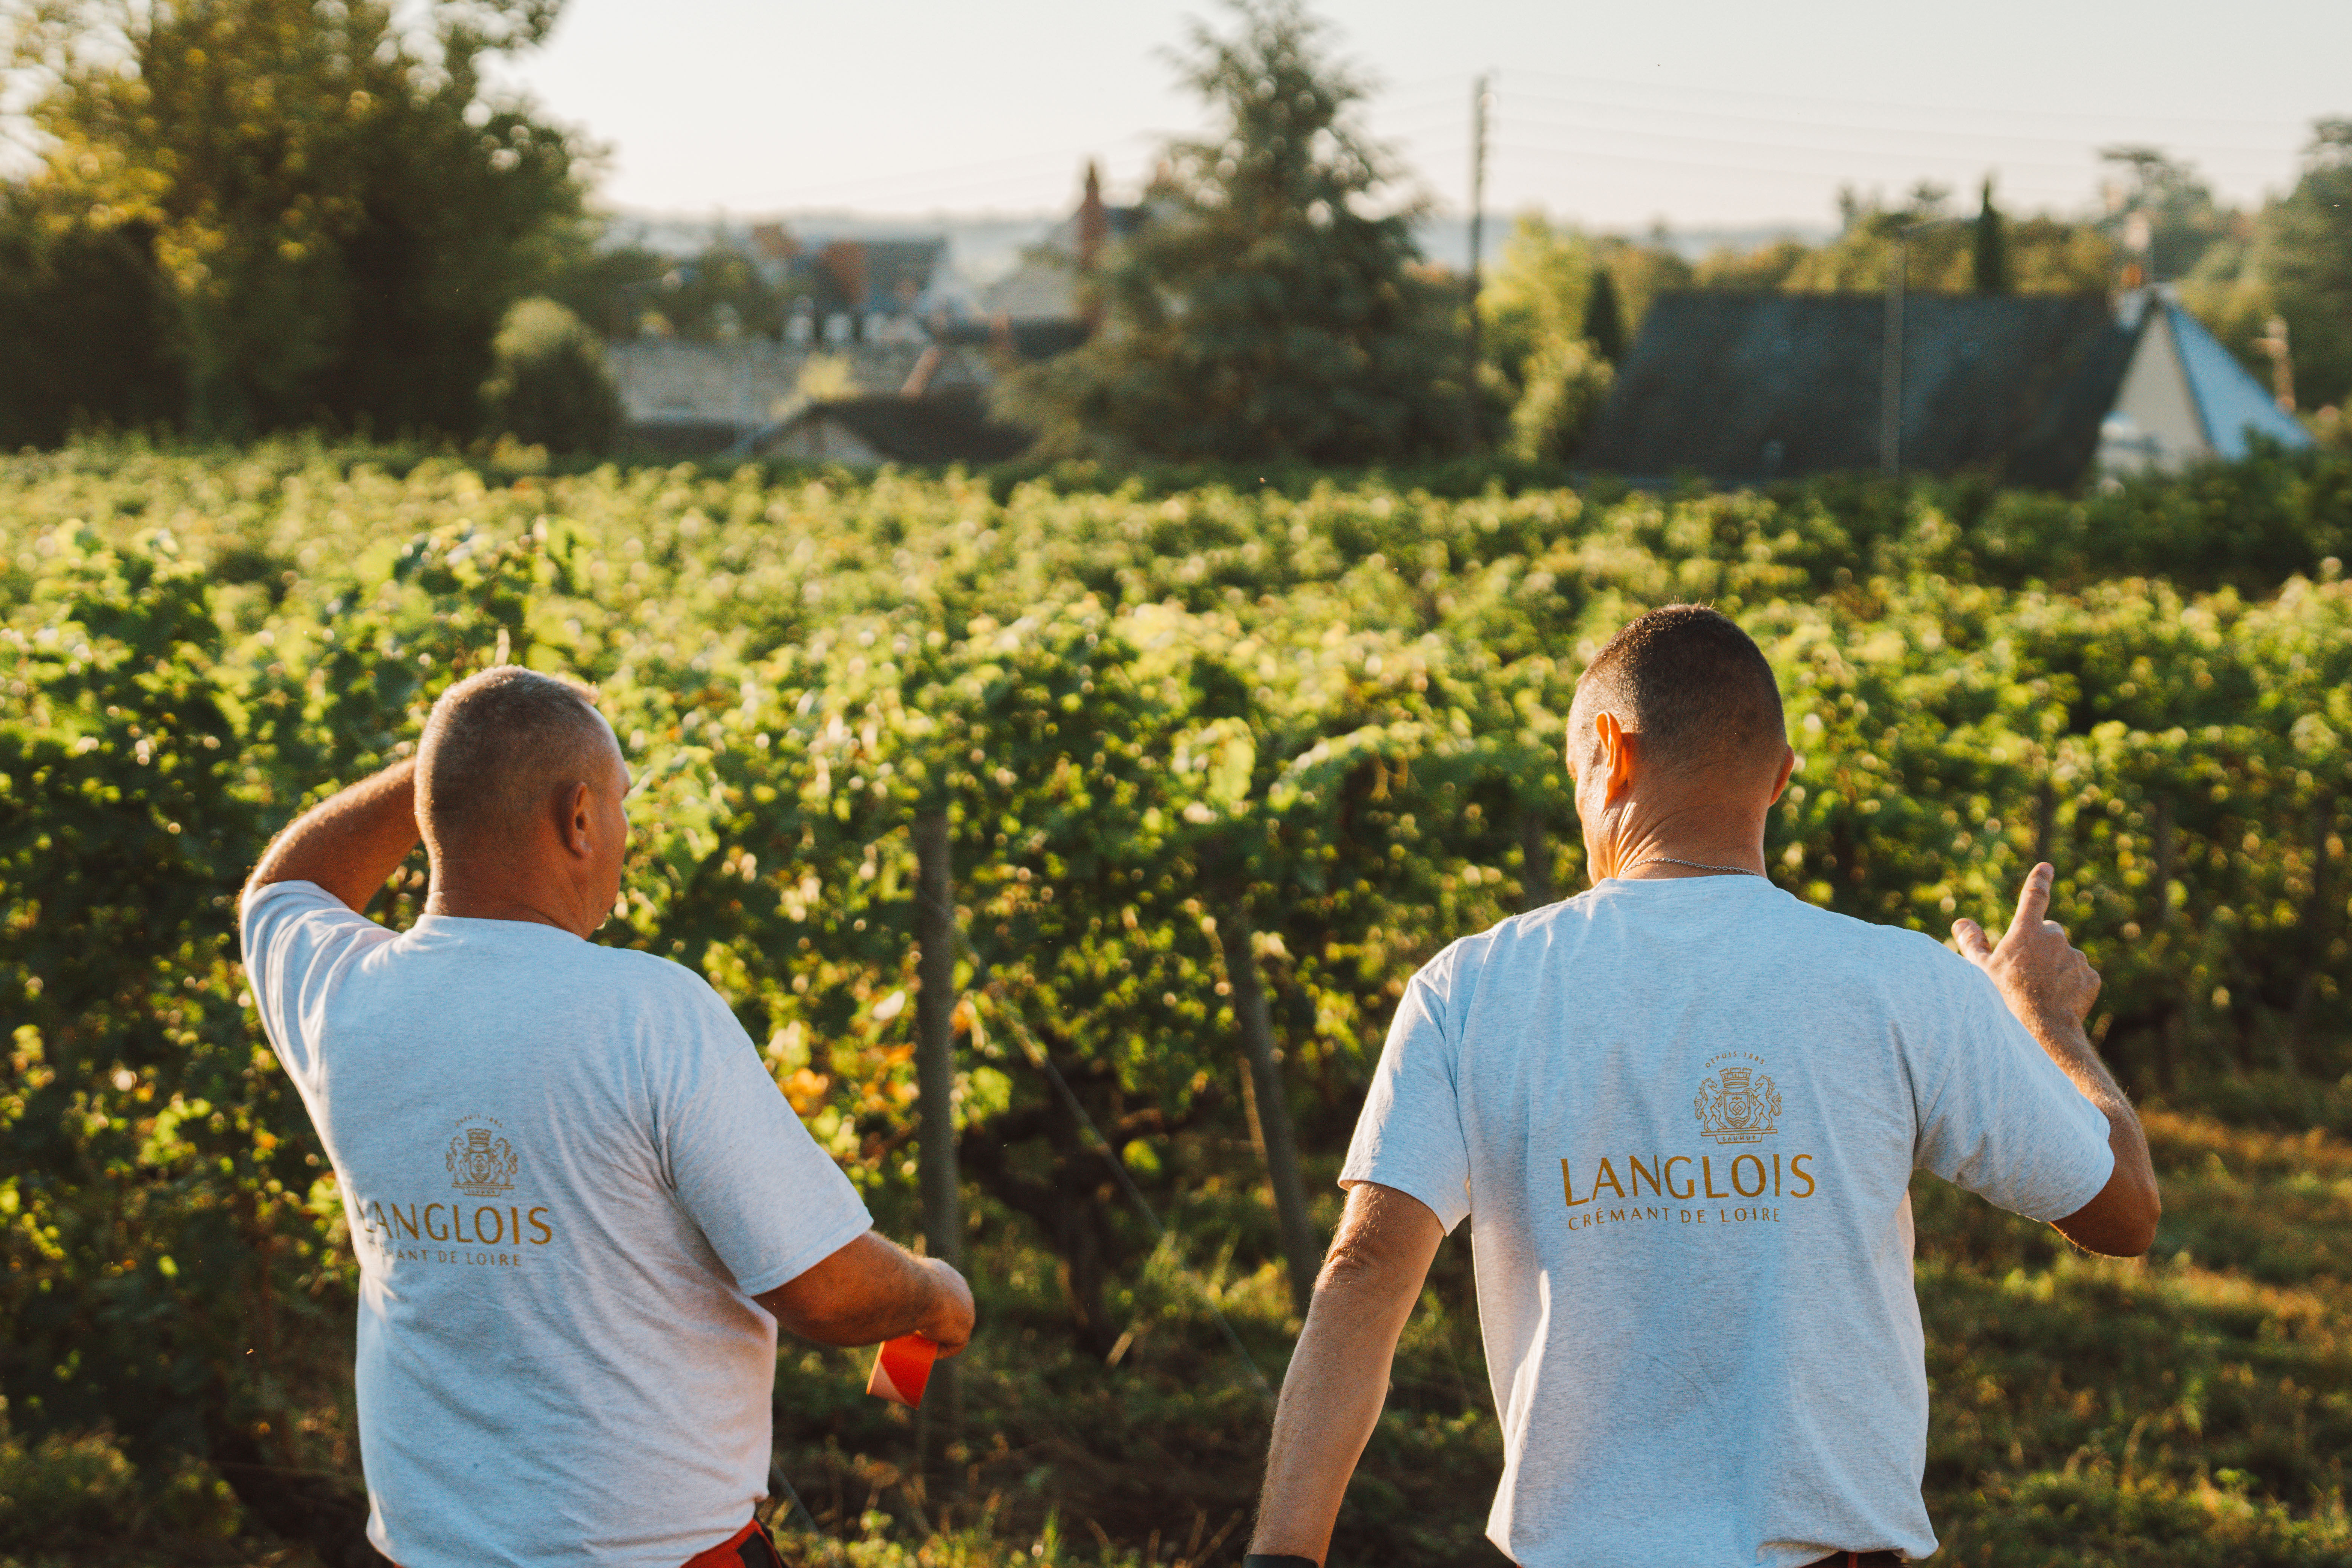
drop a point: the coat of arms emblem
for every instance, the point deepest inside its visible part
(1740, 1106)
(480, 1163)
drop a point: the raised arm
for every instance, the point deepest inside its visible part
(1338, 1376)
(2051, 986)
(873, 1290)
(349, 842)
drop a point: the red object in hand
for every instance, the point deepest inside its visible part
(902, 1369)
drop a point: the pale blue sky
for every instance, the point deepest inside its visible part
(1704, 112)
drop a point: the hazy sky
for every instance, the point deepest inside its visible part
(1702, 112)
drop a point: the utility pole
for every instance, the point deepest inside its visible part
(935, 1001)
(1479, 98)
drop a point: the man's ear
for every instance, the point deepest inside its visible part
(578, 821)
(1788, 767)
(1615, 746)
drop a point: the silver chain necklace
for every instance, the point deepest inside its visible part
(1694, 865)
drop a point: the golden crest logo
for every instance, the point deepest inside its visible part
(482, 1163)
(1738, 1105)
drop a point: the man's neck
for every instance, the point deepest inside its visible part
(1666, 849)
(460, 899)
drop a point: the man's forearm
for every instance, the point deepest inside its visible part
(1338, 1376)
(2066, 1043)
(348, 843)
(870, 1291)
(1339, 1380)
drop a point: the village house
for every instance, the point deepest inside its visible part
(2040, 390)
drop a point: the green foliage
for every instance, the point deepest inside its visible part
(2306, 259)
(551, 387)
(2182, 220)
(336, 209)
(1332, 708)
(625, 290)
(79, 1501)
(82, 324)
(1551, 375)
(1263, 312)
(1604, 318)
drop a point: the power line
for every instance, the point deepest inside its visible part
(1878, 128)
(1903, 107)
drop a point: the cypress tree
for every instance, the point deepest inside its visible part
(1991, 246)
(1604, 319)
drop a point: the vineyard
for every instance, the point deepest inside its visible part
(1207, 765)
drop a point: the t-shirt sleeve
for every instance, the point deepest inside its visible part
(770, 1202)
(2005, 1122)
(300, 940)
(1409, 1135)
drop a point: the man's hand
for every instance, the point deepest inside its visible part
(2039, 973)
(873, 1290)
(949, 1323)
(2050, 987)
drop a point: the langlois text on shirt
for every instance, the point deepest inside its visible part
(482, 1163)
(1736, 1104)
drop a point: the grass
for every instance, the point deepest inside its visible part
(2194, 1408)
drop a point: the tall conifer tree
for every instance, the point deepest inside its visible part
(1991, 255)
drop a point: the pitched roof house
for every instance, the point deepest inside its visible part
(2042, 390)
(933, 430)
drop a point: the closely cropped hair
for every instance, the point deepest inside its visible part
(1693, 686)
(498, 747)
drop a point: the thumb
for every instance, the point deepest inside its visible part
(1972, 939)
(2033, 898)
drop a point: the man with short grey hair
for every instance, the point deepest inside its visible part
(1681, 1112)
(580, 1203)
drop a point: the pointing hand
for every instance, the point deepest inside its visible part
(2037, 969)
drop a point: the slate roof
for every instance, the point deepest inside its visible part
(946, 427)
(2234, 406)
(1750, 387)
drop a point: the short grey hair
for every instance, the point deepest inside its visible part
(498, 747)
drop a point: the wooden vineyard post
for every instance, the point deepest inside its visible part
(2168, 1030)
(935, 1068)
(1300, 1248)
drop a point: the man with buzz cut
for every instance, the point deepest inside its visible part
(580, 1203)
(1681, 1112)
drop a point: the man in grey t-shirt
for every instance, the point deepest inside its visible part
(1681, 1112)
(580, 1203)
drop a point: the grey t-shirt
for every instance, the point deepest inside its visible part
(567, 1173)
(1682, 1117)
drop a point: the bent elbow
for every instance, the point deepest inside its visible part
(2143, 1235)
(2130, 1235)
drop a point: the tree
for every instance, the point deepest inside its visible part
(337, 210)
(2305, 254)
(1535, 315)
(81, 328)
(551, 387)
(2183, 220)
(1604, 319)
(1989, 258)
(1264, 311)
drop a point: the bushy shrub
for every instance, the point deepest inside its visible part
(551, 387)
